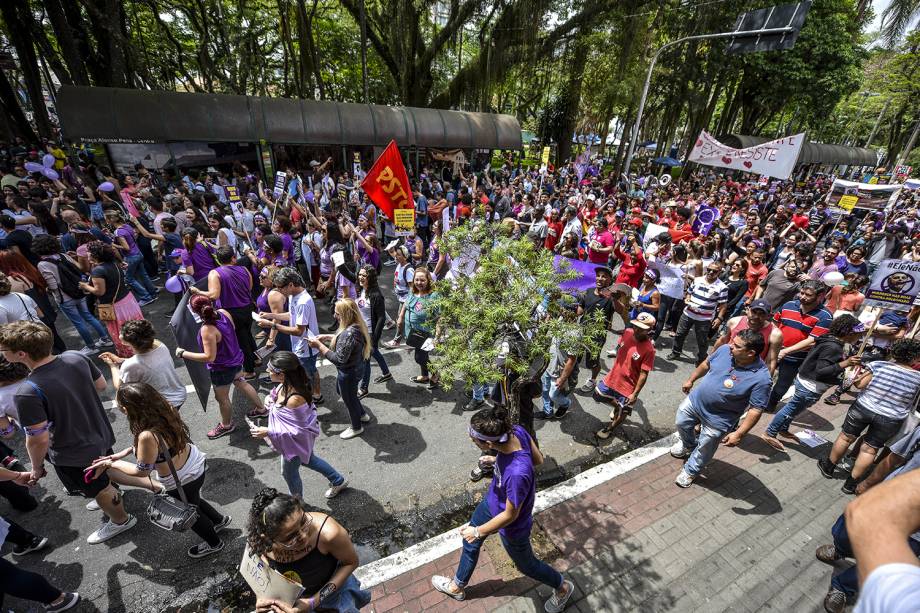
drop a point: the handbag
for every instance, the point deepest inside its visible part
(165, 511)
(416, 338)
(107, 311)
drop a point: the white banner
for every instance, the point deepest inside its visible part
(775, 158)
(895, 285)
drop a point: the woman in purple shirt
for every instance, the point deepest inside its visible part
(292, 425)
(281, 227)
(221, 352)
(125, 240)
(199, 257)
(230, 287)
(506, 509)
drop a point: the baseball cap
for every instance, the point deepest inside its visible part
(762, 305)
(645, 321)
(603, 269)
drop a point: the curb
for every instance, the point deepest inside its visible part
(418, 555)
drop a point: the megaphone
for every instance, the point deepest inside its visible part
(664, 180)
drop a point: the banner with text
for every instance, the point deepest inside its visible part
(775, 158)
(849, 195)
(895, 285)
(387, 185)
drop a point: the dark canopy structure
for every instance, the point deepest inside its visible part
(812, 153)
(112, 115)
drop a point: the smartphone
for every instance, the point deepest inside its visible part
(88, 475)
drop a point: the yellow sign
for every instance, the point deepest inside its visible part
(873, 180)
(404, 220)
(848, 202)
(545, 159)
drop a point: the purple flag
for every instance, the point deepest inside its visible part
(581, 164)
(706, 217)
(585, 270)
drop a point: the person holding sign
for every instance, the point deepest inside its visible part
(309, 548)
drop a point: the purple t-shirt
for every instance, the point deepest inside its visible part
(201, 260)
(127, 232)
(514, 480)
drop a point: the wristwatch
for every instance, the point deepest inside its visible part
(476, 532)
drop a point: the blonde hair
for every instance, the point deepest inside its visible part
(346, 310)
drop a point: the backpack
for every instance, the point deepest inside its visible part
(70, 277)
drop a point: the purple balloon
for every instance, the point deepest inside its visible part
(309, 196)
(33, 167)
(51, 173)
(174, 284)
(48, 160)
(107, 187)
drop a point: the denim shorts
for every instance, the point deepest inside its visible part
(880, 427)
(606, 395)
(224, 376)
(309, 363)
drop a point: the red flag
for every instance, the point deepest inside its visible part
(387, 184)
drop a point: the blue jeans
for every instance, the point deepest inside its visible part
(479, 391)
(519, 550)
(79, 316)
(290, 470)
(801, 400)
(347, 383)
(848, 581)
(136, 277)
(552, 395)
(349, 598)
(382, 363)
(704, 446)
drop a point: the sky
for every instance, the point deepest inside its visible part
(879, 6)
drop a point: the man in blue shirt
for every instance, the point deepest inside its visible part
(733, 378)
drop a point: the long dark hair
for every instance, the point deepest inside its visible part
(373, 287)
(295, 377)
(189, 239)
(494, 421)
(147, 410)
(270, 508)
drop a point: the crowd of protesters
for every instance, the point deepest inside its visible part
(770, 284)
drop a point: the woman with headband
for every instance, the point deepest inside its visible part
(506, 509)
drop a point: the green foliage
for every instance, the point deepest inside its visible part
(476, 312)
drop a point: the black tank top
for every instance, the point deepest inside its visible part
(312, 571)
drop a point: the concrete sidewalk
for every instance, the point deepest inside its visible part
(742, 538)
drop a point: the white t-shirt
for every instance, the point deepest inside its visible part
(891, 588)
(17, 307)
(157, 370)
(303, 313)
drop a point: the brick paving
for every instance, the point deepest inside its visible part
(742, 538)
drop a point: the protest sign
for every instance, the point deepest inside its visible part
(236, 203)
(706, 216)
(404, 221)
(267, 582)
(895, 285)
(544, 159)
(848, 195)
(775, 158)
(280, 180)
(651, 231)
(387, 184)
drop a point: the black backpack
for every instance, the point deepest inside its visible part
(70, 277)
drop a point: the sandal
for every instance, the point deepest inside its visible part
(256, 413)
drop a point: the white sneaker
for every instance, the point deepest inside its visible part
(683, 479)
(110, 529)
(333, 491)
(679, 451)
(88, 351)
(351, 433)
(92, 505)
(365, 418)
(102, 343)
(555, 604)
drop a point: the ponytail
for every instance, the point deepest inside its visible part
(268, 511)
(204, 308)
(189, 238)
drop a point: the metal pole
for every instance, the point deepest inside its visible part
(648, 77)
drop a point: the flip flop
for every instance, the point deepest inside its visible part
(420, 379)
(255, 413)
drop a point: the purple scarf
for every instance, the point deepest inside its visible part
(292, 431)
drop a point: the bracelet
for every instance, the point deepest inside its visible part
(476, 532)
(8, 430)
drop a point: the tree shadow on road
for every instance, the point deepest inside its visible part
(228, 481)
(730, 481)
(394, 443)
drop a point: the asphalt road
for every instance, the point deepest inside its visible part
(408, 478)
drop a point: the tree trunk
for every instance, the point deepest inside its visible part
(66, 40)
(16, 119)
(566, 127)
(17, 16)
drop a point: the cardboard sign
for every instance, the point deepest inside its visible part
(895, 285)
(848, 202)
(267, 582)
(280, 180)
(544, 159)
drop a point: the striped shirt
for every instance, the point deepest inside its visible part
(893, 391)
(796, 326)
(703, 298)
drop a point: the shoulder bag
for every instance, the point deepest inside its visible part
(165, 511)
(107, 311)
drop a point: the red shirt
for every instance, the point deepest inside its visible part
(632, 358)
(755, 274)
(553, 234)
(605, 239)
(800, 220)
(632, 269)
